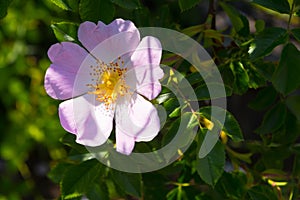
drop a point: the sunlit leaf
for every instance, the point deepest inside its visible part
(241, 77)
(170, 105)
(256, 79)
(62, 4)
(65, 31)
(231, 126)
(266, 41)
(281, 6)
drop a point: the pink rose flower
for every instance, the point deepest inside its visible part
(107, 80)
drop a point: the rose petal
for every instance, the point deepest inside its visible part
(144, 68)
(144, 80)
(90, 34)
(148, 51)
(119, 45)
(62, 74)
(137, 119)
(88, 119)
(67, 54)
(124, 143)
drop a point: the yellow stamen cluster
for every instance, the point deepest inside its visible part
(109, 82)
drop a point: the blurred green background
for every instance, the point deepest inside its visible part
(29, 125)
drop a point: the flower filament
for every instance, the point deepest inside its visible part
(109, 83)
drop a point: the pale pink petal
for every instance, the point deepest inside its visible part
(124, 143)
(119, 45)
(67, 54)
(88, 119)
(90, 34)
(137, 118)
(144, 70)
(144, 80)
(148, 51)
(60, 77)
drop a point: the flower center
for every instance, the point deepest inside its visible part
(109, 82)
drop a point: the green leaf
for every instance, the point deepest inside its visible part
(286, 76)
(171, 105)
(194, 78)
(241, 78)
(128, 4)
(69, 140)
(128, 182)
(260, 25)
(175, 113)
(265, 69)
(3, 7)
(273, 119)
(193, 30)
(296, 7)
(172, 194)
(293, 103)
(187, 122)
(62, 4)
(57, 172)
(98, 191)
(65, 31)
(296, 168)
(232, 185)
(266, 41)
(281, 6)
(211, 167)
(256, 79)
(240, 22)
(202, 91)
(78, 179)
(95, 10)
(289, 131)
(275, 174)
(296, 33)
(187, 4)
(264, 98)
(261, 192)
(231, 126)
(164, 97)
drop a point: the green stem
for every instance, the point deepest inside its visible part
(212, 12)
(291, 15)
